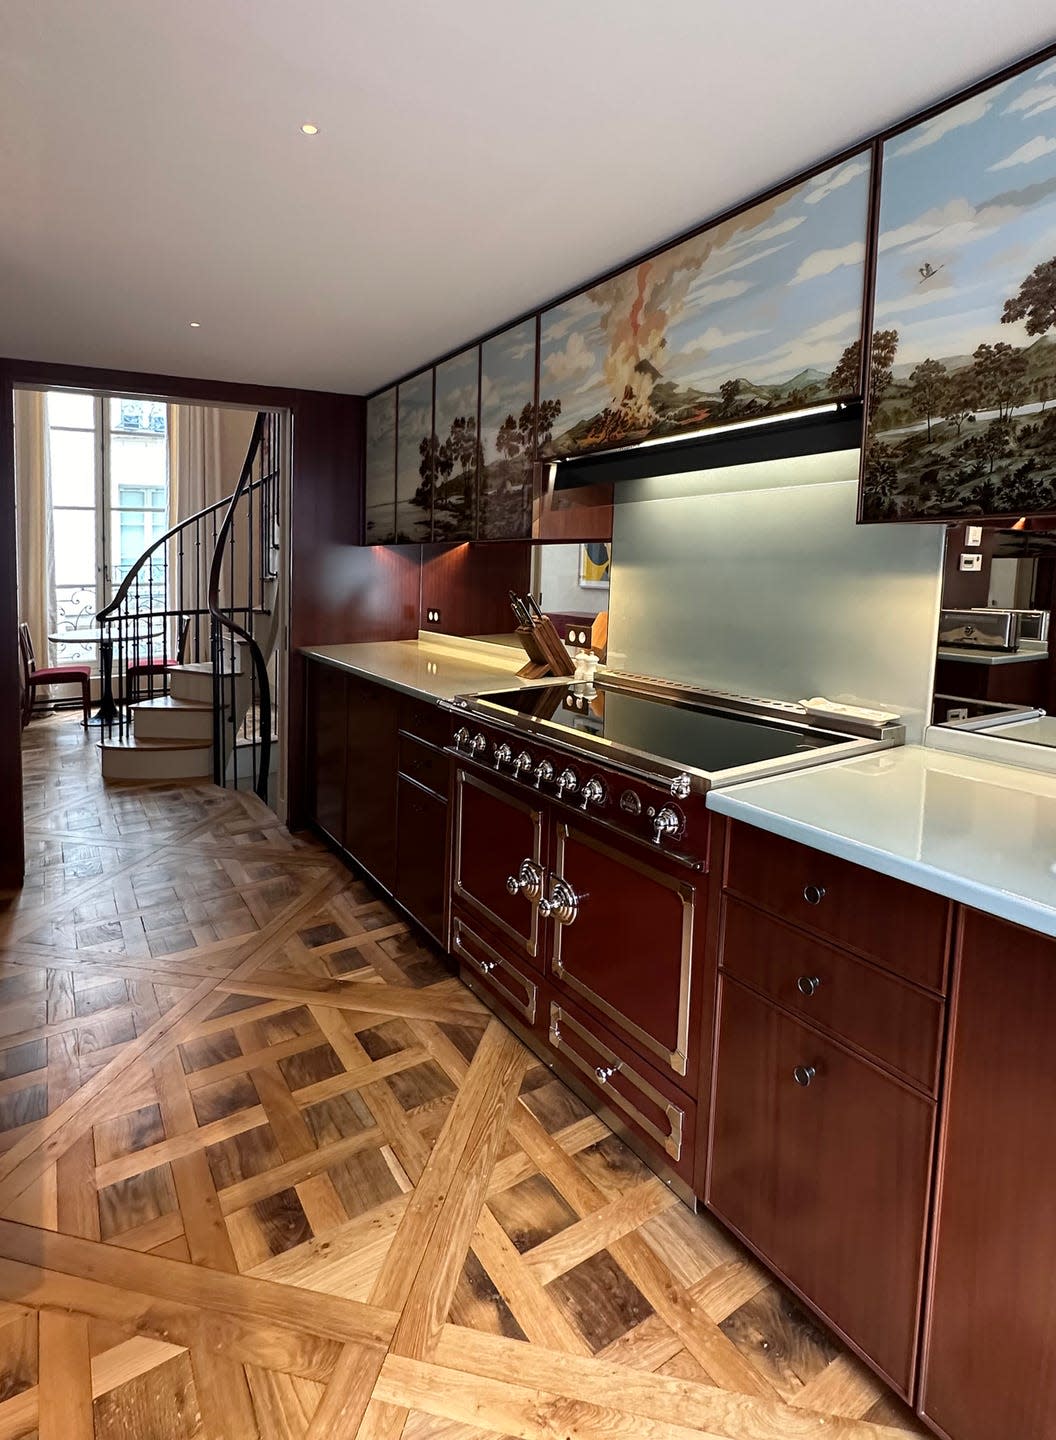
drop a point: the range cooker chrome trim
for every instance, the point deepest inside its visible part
(493, 968)
(655, 769)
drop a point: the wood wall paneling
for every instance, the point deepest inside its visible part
(11, 841)
(469, 585)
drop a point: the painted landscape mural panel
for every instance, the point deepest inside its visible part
(414, 450)
(380, 472)
(455, 455)
(964, 344)
(748, 318)
(507, 428)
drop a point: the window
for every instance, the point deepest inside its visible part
(110, 500)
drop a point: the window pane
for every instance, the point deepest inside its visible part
(65, 408)
(137, 461)
(138, 416)
(72, 467)
(132, 532)
(74, 547)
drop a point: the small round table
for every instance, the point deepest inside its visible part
(106, 713)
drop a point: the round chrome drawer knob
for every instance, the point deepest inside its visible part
(803, 1074)
(814, 894)
(605, 1073)
(808, 984)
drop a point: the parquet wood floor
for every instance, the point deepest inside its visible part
(268, 1172)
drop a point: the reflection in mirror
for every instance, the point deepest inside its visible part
(994, 668)
(571, 583)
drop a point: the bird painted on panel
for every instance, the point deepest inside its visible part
(928, 271)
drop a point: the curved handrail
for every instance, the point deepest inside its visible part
(245, 484)
(126, 583)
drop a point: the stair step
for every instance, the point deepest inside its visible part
(133, 758)
(195, 682)
(167, 717)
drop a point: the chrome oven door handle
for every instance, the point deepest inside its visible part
(562, 904)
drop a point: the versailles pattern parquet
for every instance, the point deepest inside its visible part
(269, 1172)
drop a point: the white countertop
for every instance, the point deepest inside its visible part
(977, 831)
(434, 668)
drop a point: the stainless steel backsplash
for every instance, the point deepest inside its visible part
(757, 579)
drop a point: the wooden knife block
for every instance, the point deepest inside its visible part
(545, 650)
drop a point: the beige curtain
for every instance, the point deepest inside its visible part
(207, 446)
(36, 560)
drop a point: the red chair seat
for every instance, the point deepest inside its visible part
(58, 673)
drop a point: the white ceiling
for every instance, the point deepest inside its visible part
(475, 158)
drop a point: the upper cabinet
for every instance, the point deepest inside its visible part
(964, 320)
(415, 456)
(456, 449)
(507, 433)
(380, 470)
(755, 315)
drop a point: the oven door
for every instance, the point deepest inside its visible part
(497, 861)
(624, 941)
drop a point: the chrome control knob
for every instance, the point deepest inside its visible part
(503, 755)
(478, 744)
(666, 822)
(461, 737)
(523, 762)
(567, 783)
(543, 771)
(804, 1074)
(593, 793)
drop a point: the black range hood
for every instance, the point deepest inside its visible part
(838, 428)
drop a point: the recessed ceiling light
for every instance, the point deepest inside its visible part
(309, 129)
(196, 324)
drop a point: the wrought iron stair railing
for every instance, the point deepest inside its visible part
(204, 593)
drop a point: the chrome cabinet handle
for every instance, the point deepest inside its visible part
(527, 882)
(485, 966)
(814, 894)
(808, 984)
(804, 1074)
(562, 904)
(605, 1073)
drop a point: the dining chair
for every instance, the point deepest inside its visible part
(33, 679)
(137, 671)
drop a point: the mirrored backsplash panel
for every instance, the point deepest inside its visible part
(757, 580)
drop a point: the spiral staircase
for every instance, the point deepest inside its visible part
(193, 633)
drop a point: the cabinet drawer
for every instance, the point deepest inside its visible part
(425, 721)
(899, 926)
(899, 1025)
(421, 762)
(512, 986)
(633, 1090)
(828, 1179)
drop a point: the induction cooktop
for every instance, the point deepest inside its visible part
(675, 728)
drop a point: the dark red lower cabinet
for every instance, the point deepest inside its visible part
(421, 850)
(485, 964)
(822, 1162)
(990, 1357)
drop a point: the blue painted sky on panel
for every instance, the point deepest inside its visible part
(972, 193)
